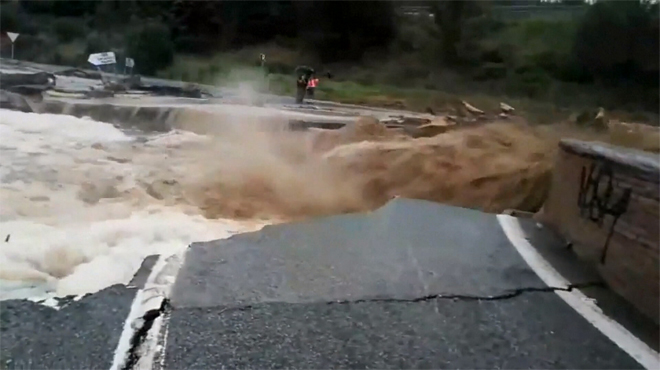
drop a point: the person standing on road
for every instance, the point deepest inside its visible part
(304, 76)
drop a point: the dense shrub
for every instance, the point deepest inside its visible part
(344, 30)
(203, 46)
(151, 47)
(546, 45)
(96, 43)
(40, 49)
(618, 41)
(537, 54)
(59, 8)
(8, 18)
(68, 29)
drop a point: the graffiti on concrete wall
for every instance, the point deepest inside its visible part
(599, 198)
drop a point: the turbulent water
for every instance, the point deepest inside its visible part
(79, 203)
(83, 202)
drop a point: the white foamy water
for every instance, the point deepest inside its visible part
(82, 203)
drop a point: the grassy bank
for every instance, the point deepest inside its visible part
(548, 68)
(348, 86)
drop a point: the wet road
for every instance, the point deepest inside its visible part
(412, 285)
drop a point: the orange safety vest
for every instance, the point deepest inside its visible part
(313, 82)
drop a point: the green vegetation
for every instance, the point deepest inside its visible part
(547, 66)
(68, 29)
(151, 46)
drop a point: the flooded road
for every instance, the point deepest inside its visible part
(79, 210)
(90, 187)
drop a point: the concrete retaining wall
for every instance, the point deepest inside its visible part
(604, 199)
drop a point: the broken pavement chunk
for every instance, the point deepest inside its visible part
(506, 108)
(472, 109)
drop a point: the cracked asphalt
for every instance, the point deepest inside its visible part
(412, 285)
(438, 333)
(80, 335)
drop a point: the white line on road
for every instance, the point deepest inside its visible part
(156, 289)
(634, 347)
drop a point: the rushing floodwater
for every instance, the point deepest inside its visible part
(82, 202)
(77, 205)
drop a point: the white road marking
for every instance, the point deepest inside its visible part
(634, 347)
(151, 346)
(162, 346)
(156, 290)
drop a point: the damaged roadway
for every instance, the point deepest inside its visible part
(413, 284)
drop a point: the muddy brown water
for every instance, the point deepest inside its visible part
(264, 167)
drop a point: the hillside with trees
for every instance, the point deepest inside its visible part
(600, 54)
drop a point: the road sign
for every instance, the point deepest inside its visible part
(12, 36)
(130, 63)
(101, 59)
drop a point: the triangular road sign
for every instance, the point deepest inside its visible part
(12, 36)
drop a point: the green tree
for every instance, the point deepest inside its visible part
(574, 2)
(67, 29)
(9, 18)
(451, 18)
(618, 40)
(112, 14)
(37, 7)
(69, 8)
(344, 30)
(151, 47)
(96, 43)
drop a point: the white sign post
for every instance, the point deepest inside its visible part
(12, 36)
(102, 59)
(130, 63)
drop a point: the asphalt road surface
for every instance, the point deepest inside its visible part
(412, 285)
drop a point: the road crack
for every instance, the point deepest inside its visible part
(457, 297)
(466, 297)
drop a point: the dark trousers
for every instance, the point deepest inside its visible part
(310, 92)
(300, 93)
